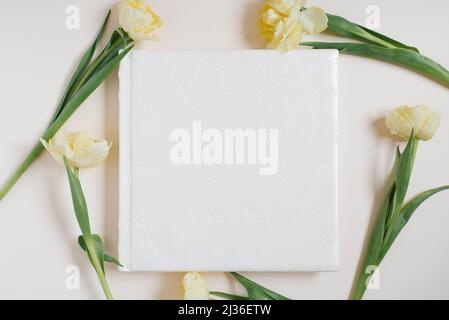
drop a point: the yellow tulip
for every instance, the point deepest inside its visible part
(283, 22)
(80, 149)
(194, 287)
(138, 20)
(422, 119)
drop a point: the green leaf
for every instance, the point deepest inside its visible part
(116, 43)
(377, 234)
(404, 170)
(96, 250)
(256, 291)
(402, 57)
(228, 296)
(107, 257)
(374, 246)
(84, 92)
(392, 195)
(345, 28)
(79, 202)
(84, 62)
(111, 259)
(393, 216)
(393, 42)
(110, 51)
(403, 174)
(405, 215)
(91, 242)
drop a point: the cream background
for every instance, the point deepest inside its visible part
(37, 224)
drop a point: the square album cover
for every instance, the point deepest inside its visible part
(228, 161)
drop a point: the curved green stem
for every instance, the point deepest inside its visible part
(399, 56)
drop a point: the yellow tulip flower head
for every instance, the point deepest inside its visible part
(283, 23)
(138, 20)
(80, 149)
(421, 119)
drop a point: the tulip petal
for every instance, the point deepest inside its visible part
(314, 20)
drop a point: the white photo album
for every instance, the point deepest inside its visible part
(228, 161)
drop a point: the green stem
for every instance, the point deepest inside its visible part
(98, 268)
(361, 283)
(105, 286)
(35, 152)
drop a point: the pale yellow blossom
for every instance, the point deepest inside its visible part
(421, 119)
(194, 287)
(138, 19)
(283, 22)
(80, 149)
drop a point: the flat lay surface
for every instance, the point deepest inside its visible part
(37, 228)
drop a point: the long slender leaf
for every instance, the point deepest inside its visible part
(79, 202)
(107, 257)
(84, 92)
(393, 42)
(91, 242)
(346, 28)
(405, 215)
(110, 52)
(374, 246)
(403, 57)
(228, 296)
(256, 291)
(110, 55)
(82, 216)
(403, 174)
(84, 62)
(392, 196)
(393, 215)
(377, 234)
(118, 35)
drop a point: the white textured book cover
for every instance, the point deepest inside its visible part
(228, 161)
